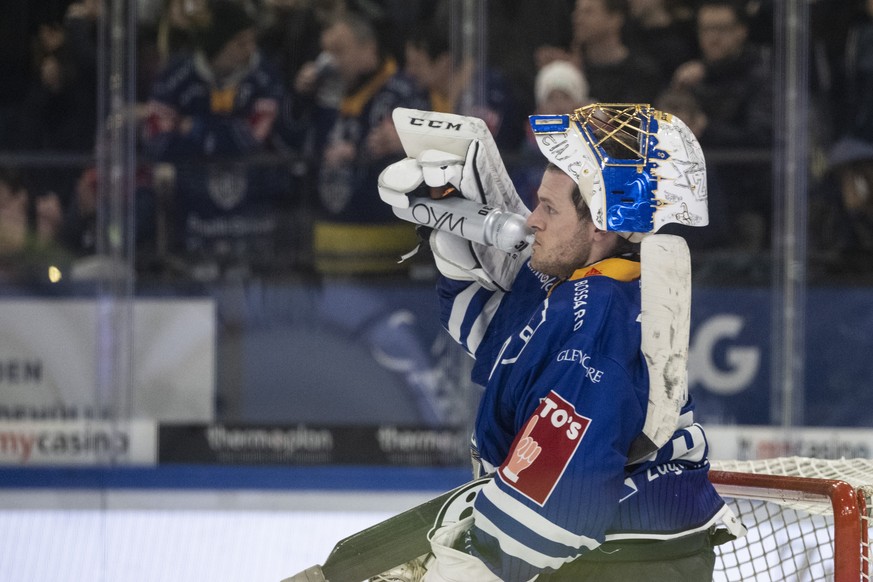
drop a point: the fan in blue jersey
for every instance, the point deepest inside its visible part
(591, 481)
(206, 112)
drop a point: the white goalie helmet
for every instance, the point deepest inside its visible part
(637, 168)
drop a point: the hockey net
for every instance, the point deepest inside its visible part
(808, 519)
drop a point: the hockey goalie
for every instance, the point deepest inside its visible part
(579, 329)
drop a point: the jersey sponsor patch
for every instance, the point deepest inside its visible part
(541, 452)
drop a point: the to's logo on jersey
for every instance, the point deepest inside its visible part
(541, 453)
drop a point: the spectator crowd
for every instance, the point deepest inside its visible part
(263, 124)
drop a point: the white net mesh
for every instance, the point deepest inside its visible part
(792, 533)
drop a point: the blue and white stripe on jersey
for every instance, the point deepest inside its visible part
(470, 313)
(546, 544)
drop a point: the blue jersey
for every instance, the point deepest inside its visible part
(566, 392)
(229, 118)
(348, 192)
(221, 209)
(355, 234)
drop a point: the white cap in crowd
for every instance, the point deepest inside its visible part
(561, 76)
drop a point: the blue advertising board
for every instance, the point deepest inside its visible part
(330, 375)
(730, 356)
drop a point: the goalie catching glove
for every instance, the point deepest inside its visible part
(479, 235)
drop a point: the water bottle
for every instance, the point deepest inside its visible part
(476, 222)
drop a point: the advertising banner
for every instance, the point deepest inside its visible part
(77, 443)
(749, 443)
(729, 363)
(311, 445)
(49, 360)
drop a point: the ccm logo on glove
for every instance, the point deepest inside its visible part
(434, 123)
(542, 451)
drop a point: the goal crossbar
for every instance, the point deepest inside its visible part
(815, 495)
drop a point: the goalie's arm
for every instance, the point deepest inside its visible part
(466, 310)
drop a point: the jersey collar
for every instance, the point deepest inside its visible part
(615, 268)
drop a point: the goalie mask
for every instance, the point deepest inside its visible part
(637, 168)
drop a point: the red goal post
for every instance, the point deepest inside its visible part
(808, 519)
